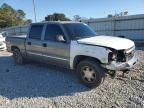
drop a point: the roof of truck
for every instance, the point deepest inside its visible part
(61, 22)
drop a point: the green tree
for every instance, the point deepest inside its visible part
(20, 14)
(7, 9)
(57, 17)
(28, 21)
(11, 17)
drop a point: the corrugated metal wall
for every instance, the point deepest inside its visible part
(131, 27)
(18, 30)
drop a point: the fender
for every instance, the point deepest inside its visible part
(100, 53)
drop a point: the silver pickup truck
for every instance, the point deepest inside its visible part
(76, 46)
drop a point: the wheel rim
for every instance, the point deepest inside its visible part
(88, 74)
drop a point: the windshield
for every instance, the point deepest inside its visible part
(79, 31)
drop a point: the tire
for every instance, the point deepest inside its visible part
(90, 73)
(18, 57)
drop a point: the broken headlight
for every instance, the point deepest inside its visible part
(113, 55)
(118, 56)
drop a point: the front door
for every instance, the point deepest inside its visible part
(56, 52)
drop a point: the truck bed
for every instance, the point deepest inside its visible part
(16, 41)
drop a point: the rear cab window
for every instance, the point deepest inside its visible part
(36, 31)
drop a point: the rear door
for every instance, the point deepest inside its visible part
(34, 42)
(54, 51)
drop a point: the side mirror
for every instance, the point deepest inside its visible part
(60, 38)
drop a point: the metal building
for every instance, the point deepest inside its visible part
(17, 30)
(131, 26)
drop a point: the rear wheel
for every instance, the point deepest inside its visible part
(17, 56)
(90, 73)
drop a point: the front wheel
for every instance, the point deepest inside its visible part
(17, 56)
(90, 73)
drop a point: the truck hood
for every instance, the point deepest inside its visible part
(108, 41)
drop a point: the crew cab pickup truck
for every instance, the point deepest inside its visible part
(76, 46)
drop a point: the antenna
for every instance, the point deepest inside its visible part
(34, 10)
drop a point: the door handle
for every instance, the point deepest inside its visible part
(29, 43)
(44, 45)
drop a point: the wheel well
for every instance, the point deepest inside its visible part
(14, 47)
(80, 58)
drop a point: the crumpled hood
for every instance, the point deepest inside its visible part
(108, 41)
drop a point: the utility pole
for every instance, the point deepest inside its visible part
(34, 10)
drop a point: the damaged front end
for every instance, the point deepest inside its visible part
(121, 59)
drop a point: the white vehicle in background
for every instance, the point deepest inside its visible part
(2, 41)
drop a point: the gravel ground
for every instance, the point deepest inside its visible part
(36, 85)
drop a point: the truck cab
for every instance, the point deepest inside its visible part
(44, 43)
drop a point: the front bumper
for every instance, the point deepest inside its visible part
(122, 65)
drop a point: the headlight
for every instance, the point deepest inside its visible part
(113, 55)
(118, 56)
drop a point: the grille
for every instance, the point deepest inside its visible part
(130, 55)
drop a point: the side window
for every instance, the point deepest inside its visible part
(52, 31)
(36, 32)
